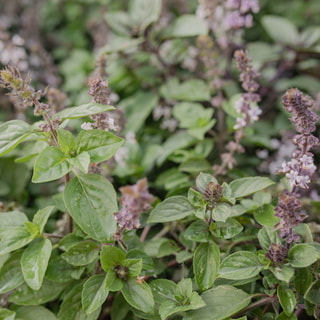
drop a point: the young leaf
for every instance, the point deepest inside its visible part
(287, 300)
(34, 262)
(206, 264)
(134, 267)
(266, 236)
(34, 312)
(12, 133)
(138, 295)
(66, 141)
(111, 257)
(302, 255)
(41, 217)
(221, 212)
(226, 230)
(244, 186)
(50, 165)
(81, 161)
(81, 254)
(171, 209)
(10, 274)
(265, 215)
(92, 201)
(101, 145)
(94, 293)
(240, 265)
(83, 111)
(203, 179)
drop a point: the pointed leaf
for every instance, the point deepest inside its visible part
(287, 299)
(244, 186)
(302, 255)
(92, 202)
(80, 161)
(66, 141)
(81, 254)
(111, 257)
(34, 312)
(41, 217)
(11, 220)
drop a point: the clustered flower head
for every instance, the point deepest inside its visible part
(99, 90)
(134, 200)
(245, 106)
(277, 253)
(212, 193)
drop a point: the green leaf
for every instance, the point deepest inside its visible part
(101, 145)
(286, 299)
(138, 295)
(34, 262)
(94, 293)
(117, 44)
(281, 30)
(12, 133)
(184, 288)
(83, 111)
(66, 141)
(81, 161)
(206, 264)
(189, 90)
(203, 180)
(226, 230)
(163, 290)
(167, 247)
(10, 274)
(34, 312)
(71, 307)
(171, 209)
(147, 262)
(113, 283)
(134, 267)
(198, 231)
(244, 186)
(187, 25)
(120, 308)
(11, 220)
(221, 212)
(41, 217)
(240, 265)
(69, 241)
(81, 254)
(24, 295)
(302, 255)
(266, 236)
(111, 257)
(221, 302)
(50, 165)
(92, 201)
(6, 314)
(283, 273)
(265, 215)
(58, 270)
(183, 256)
(302, 279)
(313, 293)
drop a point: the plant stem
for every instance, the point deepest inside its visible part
(53, 235)
(145, 233)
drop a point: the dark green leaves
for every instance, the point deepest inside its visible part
(92, 201)
(302, 255)
(265, 215)
(110, 257)
(287, 299)
(12, 133)
(206, 263)
(313, 293)
(171, 209)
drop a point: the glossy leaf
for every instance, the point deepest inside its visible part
(302, 255)
(11, 274)
(138, 295)
(81, 161)
(206, 264)
(111, 257)
(41, 217)
(101, 145)
(283, 273)
(171, 209)
(226, 230)
(94, 293)
(287, 299)
(83, 111)
(198, 231)
(245, 186)
(51, 164)
(34, 312)
(11, 220)
(240, 265)
(12, 133)
(92, 201)
(221, 302)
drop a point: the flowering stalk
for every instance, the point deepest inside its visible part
(299, 170)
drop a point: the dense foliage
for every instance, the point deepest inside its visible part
(159, 160)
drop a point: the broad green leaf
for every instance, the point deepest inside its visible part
(221, 302)
(226, 230)
(81, 254)
(12, 133)
(58, 270)
(83, 111)
(41, 217)
(91, 201)
(110, 257)
(118, 43)
(195, 165)
(137, 108)
(313, 293)
(147, 262)
(184, 288)
(69, 241)
(206, 264)
(34, 312)
(302, 279)
(94, 293)
(187, 25)
(287, 299)
(266, 236)
(244, 186)
(50, 165)
(203, 180)
(101, 145)
(138, 295)
(171, 209)
(112, 282)
(66, 141)
(10, 274)
(32, 228)
(240, 265)
(265, 215)
(71, 307)
(284, 316)
(198, 231)
(283, 273)
(34, 262)
(11, 220)
(281, 30)
(162, 290)
(118, 21)
(189, 90)
(6, 314)
(302, 255)
(81, 161)
(183, 256)
(25, 296)
(134, 267)
(167, 247)
(221, 212)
